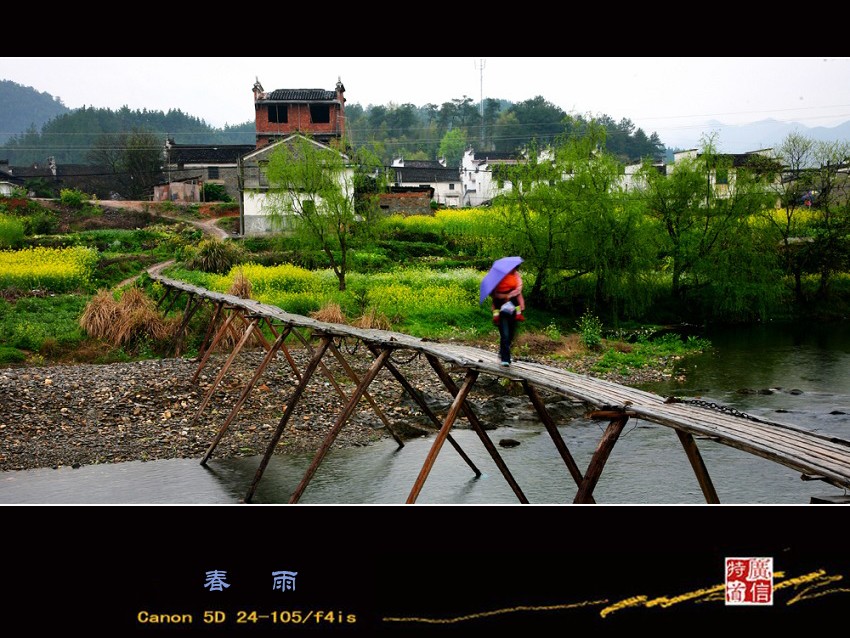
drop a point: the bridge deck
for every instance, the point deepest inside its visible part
(814, 455)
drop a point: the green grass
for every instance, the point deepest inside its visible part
(665, 350)
(29, 322)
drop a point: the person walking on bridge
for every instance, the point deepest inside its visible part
(503, 284)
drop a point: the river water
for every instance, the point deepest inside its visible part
(797, 375)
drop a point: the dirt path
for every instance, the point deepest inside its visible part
(207, 226)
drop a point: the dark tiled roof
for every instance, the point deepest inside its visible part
(300, 95)
(422, 164)
(496, 155)
(63, 171)
(200, 154)
(426, 175)
(6, 177)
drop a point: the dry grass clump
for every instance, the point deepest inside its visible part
(135, 324)
(134, 299)
(536, 343)
(241, 286)
(372, 319)
(329, 313)
(571, 346)
(100, 315)
(126, 322)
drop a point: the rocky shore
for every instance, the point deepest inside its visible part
(74, 415)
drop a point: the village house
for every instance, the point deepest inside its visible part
(444, 183)
(189, 166)
(281, 116)
(255, 216)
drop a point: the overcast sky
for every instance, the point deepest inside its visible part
(658, 94)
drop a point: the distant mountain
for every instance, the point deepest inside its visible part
(22, 108)
(743, 138)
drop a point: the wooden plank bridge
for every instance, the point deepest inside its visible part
(815, 456)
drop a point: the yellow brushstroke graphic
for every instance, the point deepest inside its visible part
(496, 612)
(810, 586)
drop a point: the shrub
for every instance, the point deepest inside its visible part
(11, 355)
(590, 330)
(372, 319)
(73, 198)
(216, 193)
(241, 286)
(217, 256)
(132, 322)
(11, 232)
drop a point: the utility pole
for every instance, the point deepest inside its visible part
(481, 106)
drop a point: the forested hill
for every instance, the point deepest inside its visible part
(22, 108)
(413, 132)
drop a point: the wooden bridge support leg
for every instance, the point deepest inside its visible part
(340, 421)
(451, 416)
(174, 300)
(165, 296)
(192, 305)
(245, 391)
(378, 411)
(290, 408)
(600, 457)
(700, 469)
(210, 327)
(224, 370)
(216, 339)
(414, 393)
(476, 425)
(328, 374)
(286, 354)
(552, 429)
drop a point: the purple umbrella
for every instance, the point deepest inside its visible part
(497, 272)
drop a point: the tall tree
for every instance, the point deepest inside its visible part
(452, 147)
(704, 209)
(831, 209)
(133, 159)
(312, 193)
(796, 152)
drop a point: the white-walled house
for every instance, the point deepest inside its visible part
(254, 216)
(476, 174)
(444, 181)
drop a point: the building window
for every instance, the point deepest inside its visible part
(212, 172)
(278, 113)
(320, 113)
(451, 187)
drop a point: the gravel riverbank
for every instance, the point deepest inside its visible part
(73, 415)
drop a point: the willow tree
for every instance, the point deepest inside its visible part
(716, 251)
(312, 194)
(567, 215)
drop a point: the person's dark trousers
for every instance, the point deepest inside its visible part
(507, 329)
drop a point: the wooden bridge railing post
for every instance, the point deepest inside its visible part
(245, 391)
(224, 369)
(210, 327)
(216, 339)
